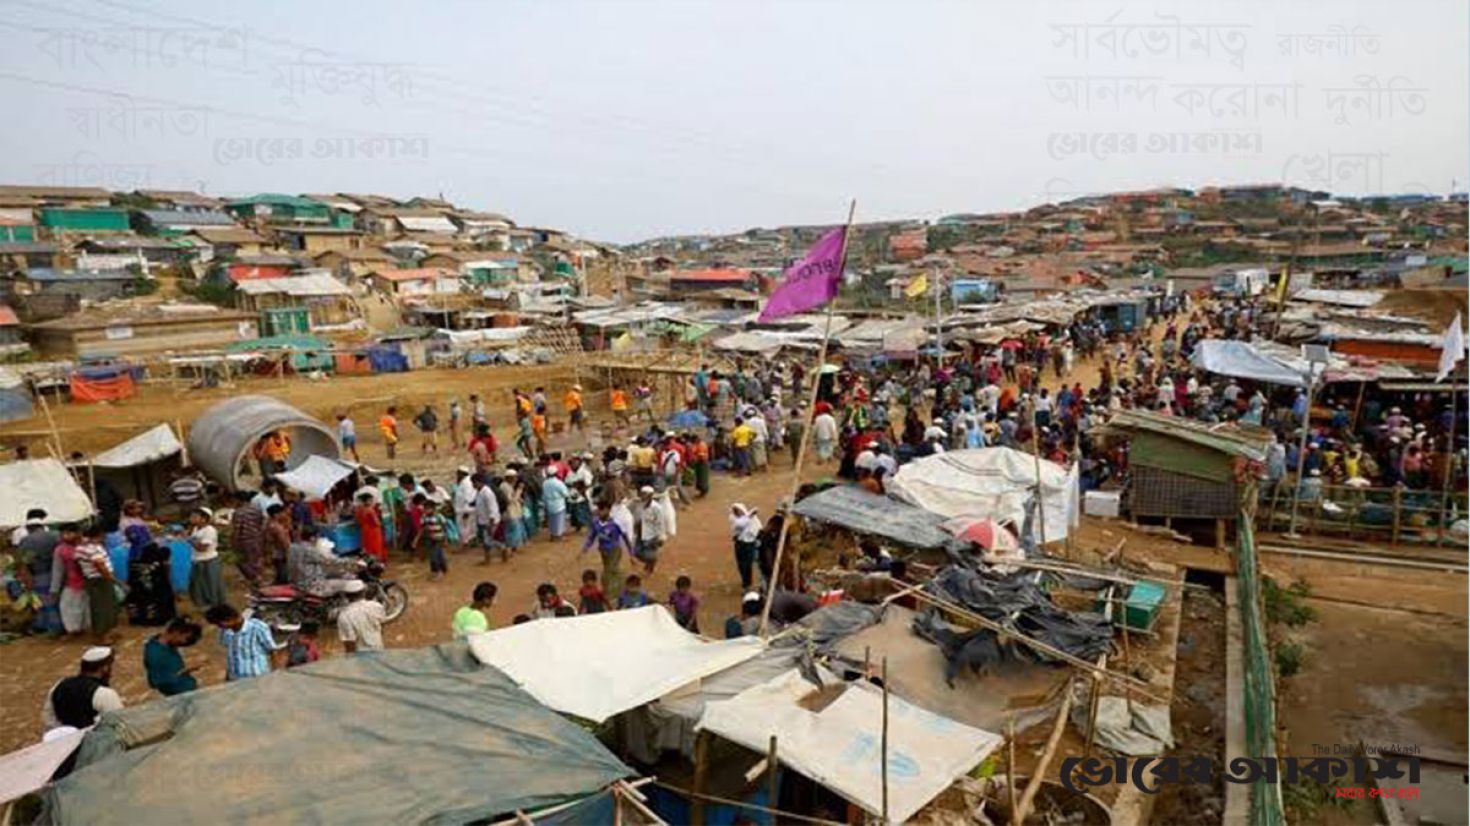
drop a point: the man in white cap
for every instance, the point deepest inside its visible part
(360, 623)
(78, 700)
(653, 528)
(464, 504)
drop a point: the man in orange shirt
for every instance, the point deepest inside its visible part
(388, 426)
(573, 402)
(619, 403)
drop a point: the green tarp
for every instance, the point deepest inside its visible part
(411, 736)
(307, 352)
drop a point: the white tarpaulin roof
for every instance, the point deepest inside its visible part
(29, 769)
(1242, 360)
(840, 746)
(995, 482)
(1344, 298)
(40, 483)
(317, 475)
(598, 665)
(146, 447)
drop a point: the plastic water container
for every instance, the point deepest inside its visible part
(180, 564)
(1103, 503)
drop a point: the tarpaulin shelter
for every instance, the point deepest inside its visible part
(1240, 359)
(387, 358)
(668, 723)
(40, 483)
(854, 509)
(101, 386)
(306, 352)
(840, 745)
(316, 476)
(15, 397)
(597, 665)
(995, 482)
(224, 436)
(919, 673)
(139, 468)
(1187, 469)
(407, 736)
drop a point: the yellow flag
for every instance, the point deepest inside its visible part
(1281, 288)
(917, 287)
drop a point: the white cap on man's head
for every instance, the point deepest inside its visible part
(354, 586)
(645, 491)
(97, 654)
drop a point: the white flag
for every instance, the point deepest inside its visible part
(1452, 349)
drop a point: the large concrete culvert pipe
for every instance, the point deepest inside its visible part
(222, 440)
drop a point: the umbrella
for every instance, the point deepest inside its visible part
(987, 533)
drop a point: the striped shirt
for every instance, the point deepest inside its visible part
(247, 651)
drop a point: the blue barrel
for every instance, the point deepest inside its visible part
(346, 537)
(180, 564)
(117, 553)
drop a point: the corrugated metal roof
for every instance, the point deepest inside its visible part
(313, 284)
(186, 218)
(426, 223)
(1229, 438)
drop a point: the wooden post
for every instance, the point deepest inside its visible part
(701, 773)
(806, 433)
(1219, 534)
(885, 740)
(1398, 496)
(1449, 466)
(1018, 815)
(1040, 503)
(1011, 769)
(771, 776)
(1127, 661)
(51, 424)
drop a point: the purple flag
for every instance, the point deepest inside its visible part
(810, 282)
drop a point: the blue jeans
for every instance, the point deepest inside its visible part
(437, 562)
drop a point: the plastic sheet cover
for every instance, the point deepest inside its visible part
(409, 736)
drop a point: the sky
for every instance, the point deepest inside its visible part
(621, 120)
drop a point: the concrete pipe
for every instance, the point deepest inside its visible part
(222, 441)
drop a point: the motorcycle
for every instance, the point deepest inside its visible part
(278, 605)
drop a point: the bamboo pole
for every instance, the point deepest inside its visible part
(1449, 467)
(51, 423)
(885, 740)
(806, 433)
(1011, 768)
(959, 610)
(1034, 784)
(1040, 503)
(771, 776)
(701, 774)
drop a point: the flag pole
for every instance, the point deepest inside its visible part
(806, 432)
(1449, 465)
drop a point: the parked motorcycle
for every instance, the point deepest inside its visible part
(278, 605)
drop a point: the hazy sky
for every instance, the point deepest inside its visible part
(624, 119)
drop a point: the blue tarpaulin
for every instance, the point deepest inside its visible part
(387, 358)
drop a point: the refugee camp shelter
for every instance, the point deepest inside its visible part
(40, 483)
(223, 437)
(991, 482)
(15, 396)
(141, 467)
(1188, 469)
(143, 331)
(422, 735)
(851, 508)
(622, 659)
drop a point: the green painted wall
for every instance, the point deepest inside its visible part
(24, 232)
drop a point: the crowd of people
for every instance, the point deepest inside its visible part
(622, 501)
